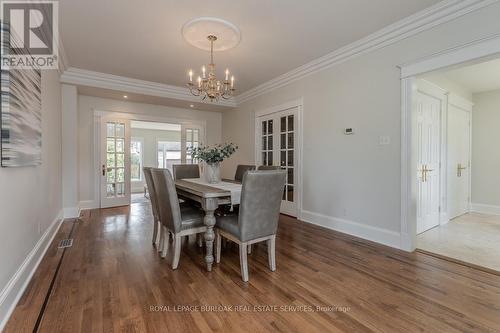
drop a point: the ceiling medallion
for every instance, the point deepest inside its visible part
(227, 36)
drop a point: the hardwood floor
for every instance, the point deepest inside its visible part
(112, 279)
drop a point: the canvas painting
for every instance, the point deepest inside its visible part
(21, 105)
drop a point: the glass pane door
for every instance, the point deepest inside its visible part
(267, 148)
(287, 154)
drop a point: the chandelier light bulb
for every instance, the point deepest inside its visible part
(232, 81)
(190, 75)
(227, 74)
(203, 69)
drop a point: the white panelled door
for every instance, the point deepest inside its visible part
(277, 133)
(428, 111)
(458, 161)
(115, 162)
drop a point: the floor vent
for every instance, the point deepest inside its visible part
(65, 243)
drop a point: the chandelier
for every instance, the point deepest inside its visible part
(208, 85)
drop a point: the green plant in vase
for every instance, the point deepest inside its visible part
(212, 156)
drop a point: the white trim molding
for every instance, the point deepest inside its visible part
(485, 209)
(478, 50)
(71, 212)
(88, 78)
(428, 18)
(374, 234)
(13, 291)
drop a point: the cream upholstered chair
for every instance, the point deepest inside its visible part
(258, 216)
(268, 167)
(154, 205)
(240, 171)
(184, 171)
(180, 221)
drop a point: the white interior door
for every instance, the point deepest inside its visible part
(115, 162)
(428, 109)
(278, 146)
(458, 161)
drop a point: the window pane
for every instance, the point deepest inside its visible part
(290, 176)
(110, 130)
(110, 145)
(264, 127)
(135, 160)
(110, 160)
(110, 176)
(284, 193)
(290, 158)
(264, 158)
(120, 160)
(290, 193)
(264, 143)
(270, 142)
(270, 158)
(290, 123)
(283, 141)
(270, 126)
(283, 158)
(120, 130)
(120, 189)
(196, 135)
(283, 124)
(160, 159)
(110, 190)
(189, 135)
(120, 175)
(291, 137)
(120, 143)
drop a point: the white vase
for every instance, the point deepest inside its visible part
(211, 172)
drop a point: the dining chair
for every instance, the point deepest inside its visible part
(154, 206)
(184, 171)
(240, 171)
(257, 220)
(179, 220)
(268, 167)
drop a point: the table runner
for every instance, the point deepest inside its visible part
(234, 188)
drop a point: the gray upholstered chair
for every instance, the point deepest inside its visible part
(268, 167)
(240, 171)
(184, 171)
(258, 216)
(154, 206)
(180, 221)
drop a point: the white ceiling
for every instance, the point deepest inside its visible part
(142, 39)
(478, 77)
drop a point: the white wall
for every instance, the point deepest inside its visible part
(351, 183)
(150, 158)
(485, 150)
(31, 202)
(86, 148)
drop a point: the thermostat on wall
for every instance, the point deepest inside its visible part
(349, 131)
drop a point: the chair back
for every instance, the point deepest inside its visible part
(152, 193)
(240, 171)
(166, 197)
(183, 171)
(268, 167)
(260, 203)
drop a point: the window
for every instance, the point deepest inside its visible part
(192, 141)
(168, 154)
(136, 159)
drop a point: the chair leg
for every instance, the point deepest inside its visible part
(217, 246)
(165, 242)
(243, 262)
(177, 251)
(155, 233)
(249, 248)
(271, 253)
(199, 239)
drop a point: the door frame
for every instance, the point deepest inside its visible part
(478, 50)
(299, 104)
(98, 114)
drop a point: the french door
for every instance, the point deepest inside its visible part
(458, 161)
(428, 111)
(277, 134)
(115, 162)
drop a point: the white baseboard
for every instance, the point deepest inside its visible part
(71, 212)
(88, 204)
(485, 209)
(374, 234)
(14, 289)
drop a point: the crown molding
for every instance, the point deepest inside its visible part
(88, 78)
(440, 13)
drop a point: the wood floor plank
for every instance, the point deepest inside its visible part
(113, 280)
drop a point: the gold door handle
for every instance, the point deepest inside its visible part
(104, 170)
(425, 172)
(459, 169)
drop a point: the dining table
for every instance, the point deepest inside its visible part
(210, 196)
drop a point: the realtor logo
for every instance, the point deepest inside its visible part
(29, 34)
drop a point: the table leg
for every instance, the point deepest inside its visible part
(209, 205)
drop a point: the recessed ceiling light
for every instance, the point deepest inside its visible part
(125, 96)
(191, 105)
